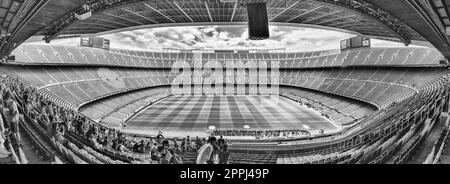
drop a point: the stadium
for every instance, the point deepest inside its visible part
(95, 104)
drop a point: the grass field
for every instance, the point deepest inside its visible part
(197, 113)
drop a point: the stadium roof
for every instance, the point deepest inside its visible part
(402, 20)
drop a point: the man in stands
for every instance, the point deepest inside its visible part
(176, 159)
(188, 143)
(159, 137)
(183, 145)
(85, 127)
(68, 120)
(59, 136)
(91, 132)
(175, 144)
(121, 147)
(221, 141)
(154, 152)
(198, 143)
(42, 116)
(148, 147)
(57, 120)
(142, 147)
(165, 143)
(3, 152)
(12, 115)
(136, 147)
(51, 117)
(223, 153)
(165, 157)
(25, 101)
(205, 152)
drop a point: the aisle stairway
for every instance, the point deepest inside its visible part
(6, 160)
(30, 152)
(445, 157)
(425, 148)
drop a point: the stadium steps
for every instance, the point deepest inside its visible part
(445, 157)
(39, 142)
(36, 147)
(189, 158)
(427, 144)
(104, 155)
(31, 154)
(242, 158)
(6, 160)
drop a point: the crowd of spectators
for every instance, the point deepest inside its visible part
(19, 98)
(9, 114)
(58, 121)
(3, 134)
(213, 151)
(263, 134)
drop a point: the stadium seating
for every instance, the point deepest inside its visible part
(54, 54)
(111, 86)
(117, 109)
(371, 152)
(375, 86)
(81, 85)
(338, 109)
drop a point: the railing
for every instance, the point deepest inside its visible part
(439, 145)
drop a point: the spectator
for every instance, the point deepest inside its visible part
(12, 115)
(106, 142)
(203, 142)
(3, 152)
(121, 147)
(159, 137)
(91, 132)
(223, 154)
(205, 152)
(114, 145)
(221, 141)
(136, 147)
(59, 136)
(175, 144)
(188, 143)
(142, 147)
(176, 159)
(198, 143)
(85, 126)
(165, 157)
(183, 145)
(68, 120)
(215, 155)
(165, 143)
(148, 148)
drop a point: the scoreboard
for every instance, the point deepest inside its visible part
(96, 42)
(355, 42)
(345, 44)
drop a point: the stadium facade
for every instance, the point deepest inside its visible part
(372, 105)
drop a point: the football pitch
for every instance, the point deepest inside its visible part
(197, 113)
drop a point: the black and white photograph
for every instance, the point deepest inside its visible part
(224, 83)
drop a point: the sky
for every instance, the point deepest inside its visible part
(226, 37)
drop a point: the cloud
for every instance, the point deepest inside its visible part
(226, 37)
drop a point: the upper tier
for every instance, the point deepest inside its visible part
(80, 85)
(56, 54)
